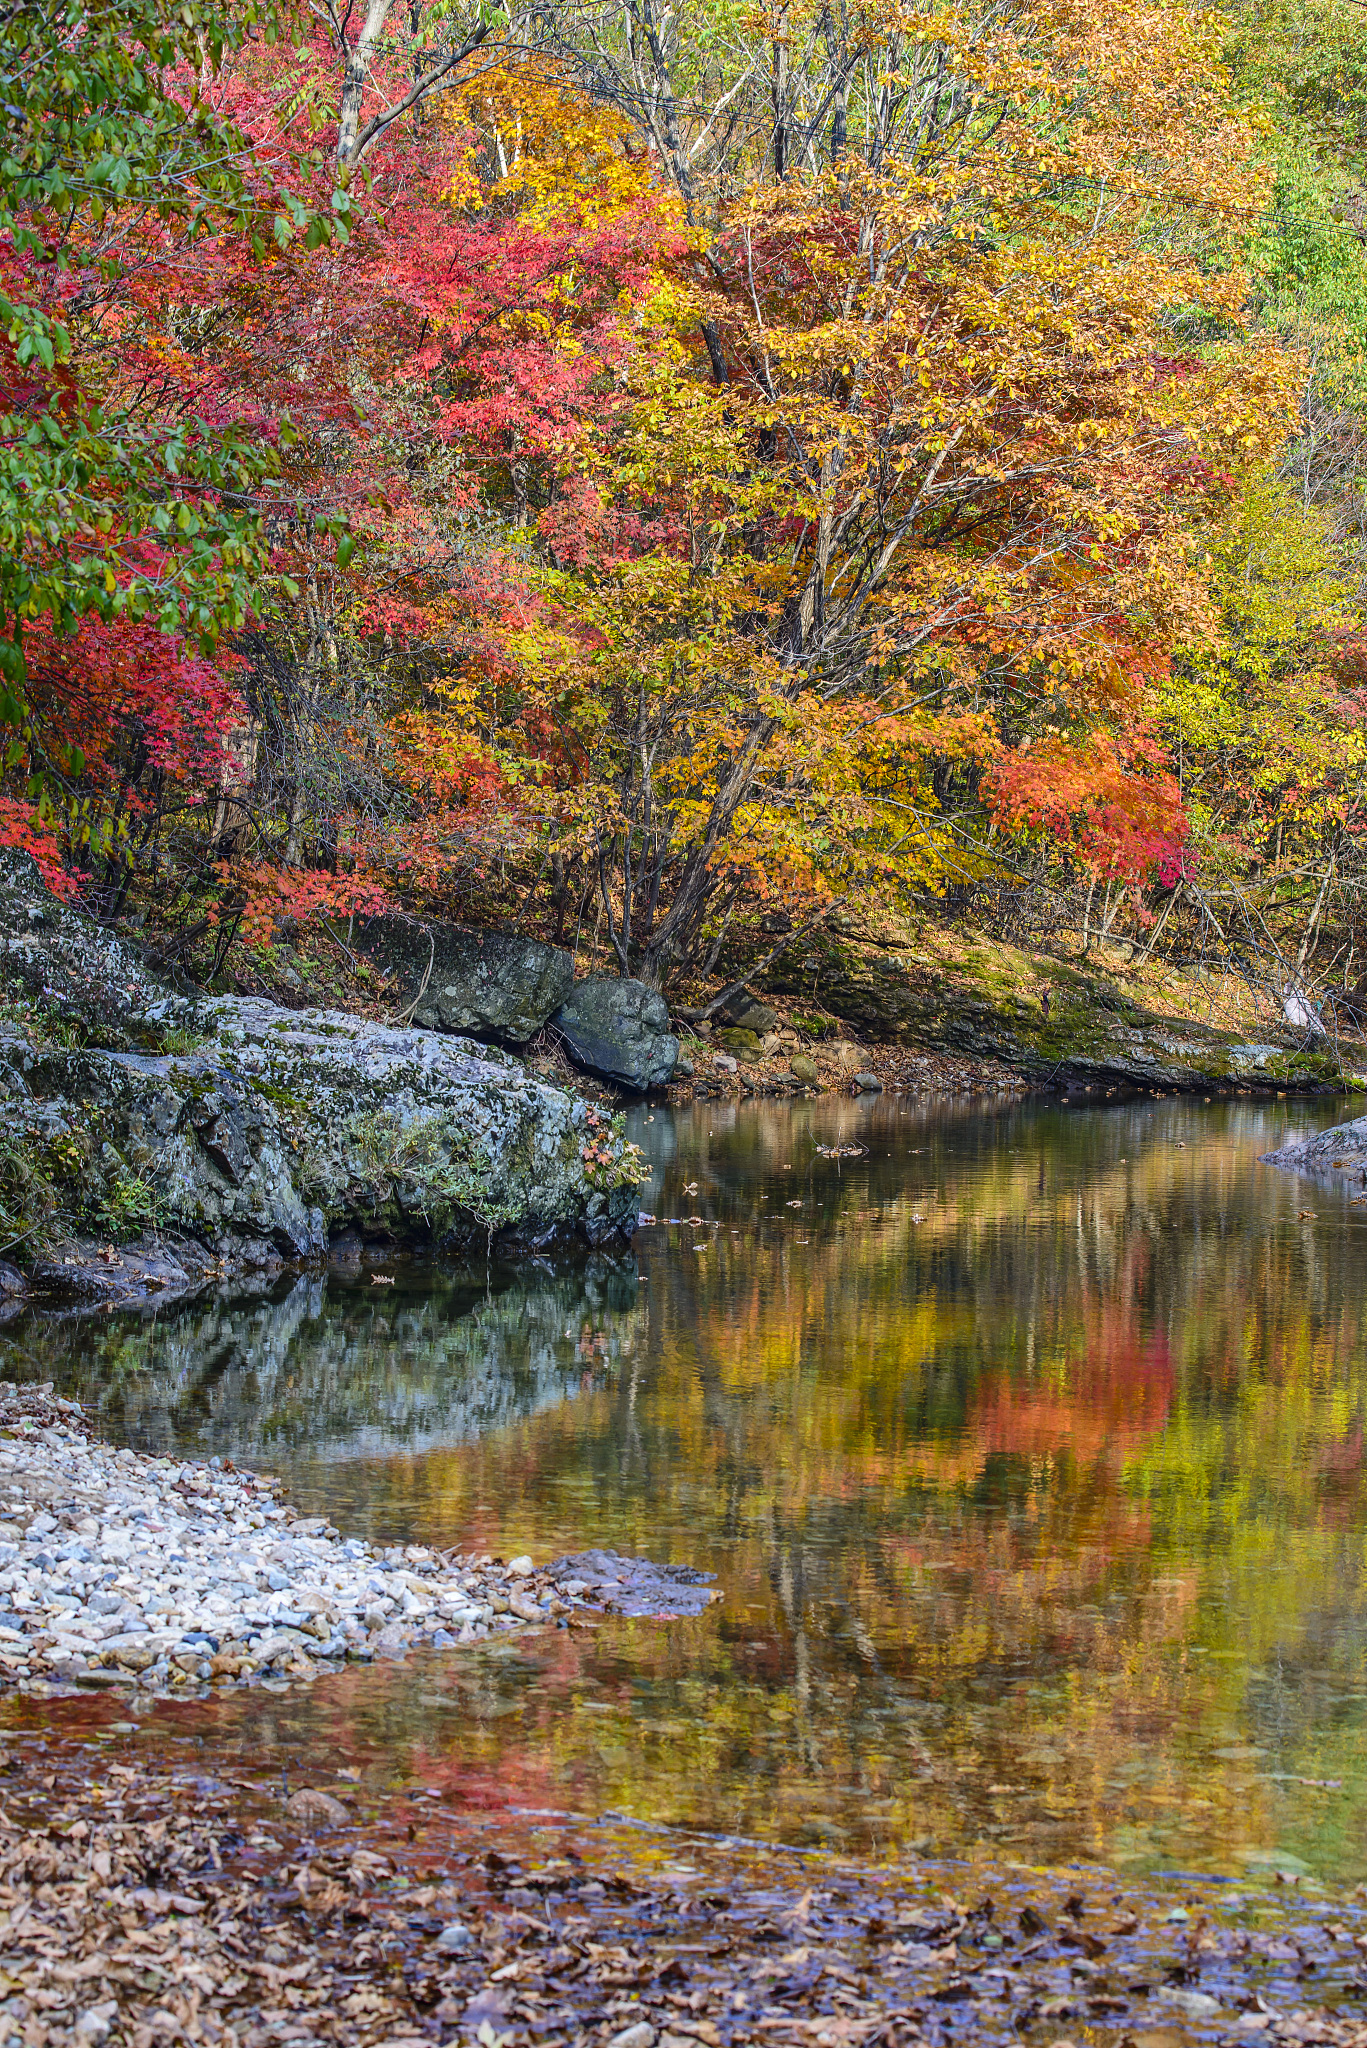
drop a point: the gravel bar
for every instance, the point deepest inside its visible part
(118, 1569)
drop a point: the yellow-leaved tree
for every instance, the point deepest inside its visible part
(900, 497)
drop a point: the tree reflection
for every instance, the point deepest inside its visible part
(1027, 1449)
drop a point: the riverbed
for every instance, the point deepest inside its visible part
(1026, 1443)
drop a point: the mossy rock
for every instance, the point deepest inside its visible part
(741, 1044)
(983, 1001)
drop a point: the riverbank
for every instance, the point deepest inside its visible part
(722, 1067)
(119, 1570)
(149, 1901)
(933, 1006)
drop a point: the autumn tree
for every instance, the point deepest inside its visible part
(924, 445)
(661, 465)
(110, 513)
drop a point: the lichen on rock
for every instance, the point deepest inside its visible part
(258, 1132)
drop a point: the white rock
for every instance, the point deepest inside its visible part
(454, 1936)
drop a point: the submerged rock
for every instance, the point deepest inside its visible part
(484, 984)
(633, 1585)
(619, 1030)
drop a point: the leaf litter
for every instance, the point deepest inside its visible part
(142, 1902)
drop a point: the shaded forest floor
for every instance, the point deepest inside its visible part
(150, 1900)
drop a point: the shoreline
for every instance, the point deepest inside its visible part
(119, 1570)
(851, 1067)
(84, 1276)
(146, 1902)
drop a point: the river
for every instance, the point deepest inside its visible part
(1026, 1442)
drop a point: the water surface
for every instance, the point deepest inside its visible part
(1027, 1448)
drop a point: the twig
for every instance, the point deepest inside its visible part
(20, 1239)
(406, 1016)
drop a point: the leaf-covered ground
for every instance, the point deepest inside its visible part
(141, 1903)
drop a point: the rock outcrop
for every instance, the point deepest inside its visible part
(980, 998)
(488, 985)
(619, 1030)
(251, 1134)
(1340, 1152)
(69, 966)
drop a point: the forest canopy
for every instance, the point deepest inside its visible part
(677, 470)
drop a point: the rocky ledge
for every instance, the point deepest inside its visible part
(117, 1570)
(155, 1139)
(1338, 1152)
(1055, 1021)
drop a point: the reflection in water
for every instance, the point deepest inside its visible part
(391, 1358)
(1028, 1450)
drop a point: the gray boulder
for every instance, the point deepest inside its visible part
(229, 1134)
(484, 984)
(619, 1030)
(1341, 1151)
(748, 1015)
(284, 1127)
(53, 955)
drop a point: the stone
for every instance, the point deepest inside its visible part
(74, 967)
(1197, 2005)
(639, 2035)
(205, 1527)
(454, 1937)
(803, 1069)
(278, 1128)
(134, 1656)
(868, 1084)
(750, 1015)
(725, 1062)
(487, 985)
(742, 1044)
(314, 1808)
(619, 1030)
(1339, 1153)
